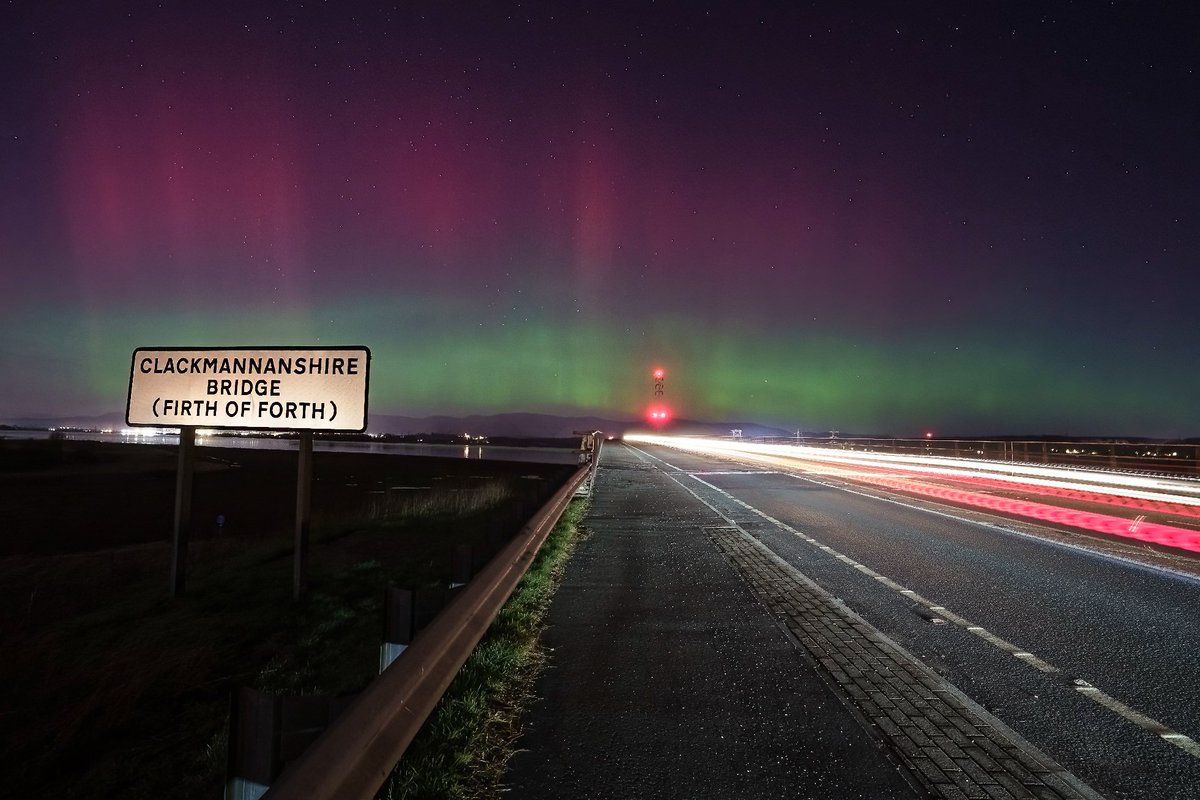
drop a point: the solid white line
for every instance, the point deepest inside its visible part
(1182, 741)
(1128, 562)
(1001, 644)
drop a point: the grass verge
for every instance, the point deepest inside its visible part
(463, 750)
(115, 690)
(130, 698)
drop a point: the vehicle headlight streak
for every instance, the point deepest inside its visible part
(903, 473)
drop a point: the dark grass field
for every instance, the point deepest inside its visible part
(112, 689)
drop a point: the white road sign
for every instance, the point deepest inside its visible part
(254, 388)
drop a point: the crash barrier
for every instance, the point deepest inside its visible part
(268, 731)
(350, 752)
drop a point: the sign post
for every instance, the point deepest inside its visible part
(303, 508)
(247, 388)
(183, 510)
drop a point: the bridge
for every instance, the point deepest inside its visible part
(775, 619)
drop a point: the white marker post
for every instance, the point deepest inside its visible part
(246, 388)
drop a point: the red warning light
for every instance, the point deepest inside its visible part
(658, 415)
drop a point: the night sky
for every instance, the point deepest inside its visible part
(875, 217)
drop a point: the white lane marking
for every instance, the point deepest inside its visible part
(978, 630)
(1026, 657)
(891, 584)
(1184, 742)
(1078, 548)
(654, 458)
(1180, 740)
(1122, 560)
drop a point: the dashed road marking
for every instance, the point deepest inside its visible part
(1183, 742)
(1008, 531)
(1180, 740)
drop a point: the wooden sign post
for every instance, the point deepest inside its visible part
(247, 388)
(303, 508)
(183, 510)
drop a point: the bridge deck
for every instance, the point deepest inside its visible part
(669, 679)
(690, 661)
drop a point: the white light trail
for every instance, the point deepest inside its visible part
(1155, 488)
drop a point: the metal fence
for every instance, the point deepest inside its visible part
(1154, 457)
(354, 755)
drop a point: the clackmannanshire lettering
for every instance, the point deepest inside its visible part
(272, 365)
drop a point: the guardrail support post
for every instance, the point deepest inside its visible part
(398, 624)
(460, 565)
(358, 750)
(253, 761)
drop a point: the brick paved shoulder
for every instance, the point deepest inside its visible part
(668, 679)
(954, 748)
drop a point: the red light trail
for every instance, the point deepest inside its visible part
(1139, 494)
(1099, 523)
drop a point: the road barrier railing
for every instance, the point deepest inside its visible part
(1160, 457)
(360, 748)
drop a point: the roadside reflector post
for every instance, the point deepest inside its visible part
(399, 625)
(183, 510)
(253, 760)
(461, 564)
(303, 509)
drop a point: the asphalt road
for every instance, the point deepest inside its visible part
(667, 679)
(1092, 659)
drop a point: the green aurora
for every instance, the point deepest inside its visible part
(813, 380)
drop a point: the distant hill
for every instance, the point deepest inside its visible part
(688, 427)
(521, 425)
(517, 425)
(536, 425)
(115, 420)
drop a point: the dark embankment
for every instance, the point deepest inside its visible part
(112, 689)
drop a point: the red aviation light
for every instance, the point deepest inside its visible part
(658, 415)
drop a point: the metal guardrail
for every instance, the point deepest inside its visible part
(358, 751)
(1160, 457)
